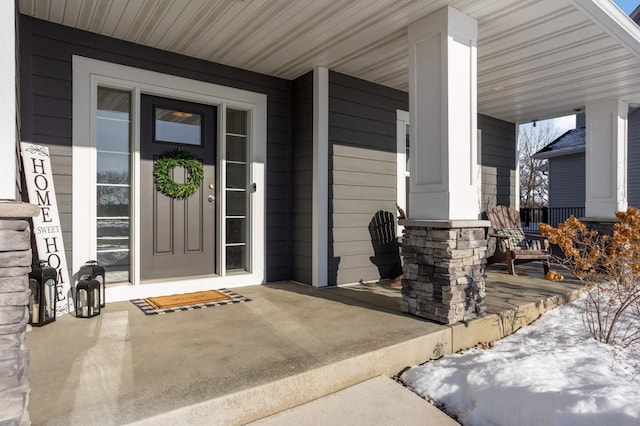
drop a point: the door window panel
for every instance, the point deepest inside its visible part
(178, 126)
(236, 203)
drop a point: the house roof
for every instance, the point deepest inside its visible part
(537, 59)
(635, 15)
(569, 143)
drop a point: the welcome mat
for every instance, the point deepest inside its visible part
(188, 301)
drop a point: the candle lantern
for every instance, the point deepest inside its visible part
(42, 302)
(87, 297)
(96, 272)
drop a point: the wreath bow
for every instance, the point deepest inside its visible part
(162, 174)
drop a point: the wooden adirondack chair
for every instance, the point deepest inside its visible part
(513, 246)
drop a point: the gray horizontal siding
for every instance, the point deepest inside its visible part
(498, 159)
(46, 51)
(302, 177)
(633, 155)
(362, 176)
(567, 181)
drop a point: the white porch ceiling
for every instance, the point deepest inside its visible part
(536, 58)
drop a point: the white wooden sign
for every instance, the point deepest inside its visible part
(46, 226)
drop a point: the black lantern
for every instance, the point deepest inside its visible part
(42, 302)
(96, 272)
(87, 297)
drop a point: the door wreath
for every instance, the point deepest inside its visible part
(162, 174)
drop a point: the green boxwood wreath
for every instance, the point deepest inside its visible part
(162, 174)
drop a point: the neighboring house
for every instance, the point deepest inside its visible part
(567, 162)
(567, 174)
(299, 111)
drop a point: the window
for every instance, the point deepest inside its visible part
(178, 127)
(113, 182)
(237, 183)
(406, 127)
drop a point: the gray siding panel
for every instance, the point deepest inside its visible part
(567, 181)
(633, 156)
(46, 51)
(302, 177)
(498, 159)
(362, 177)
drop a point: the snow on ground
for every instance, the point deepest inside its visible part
(551, 372)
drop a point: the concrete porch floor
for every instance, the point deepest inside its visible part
(234, 364)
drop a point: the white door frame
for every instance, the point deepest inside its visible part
(88, 74)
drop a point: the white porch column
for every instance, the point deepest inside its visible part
(8, 126)
(606, 157)
(442, 98)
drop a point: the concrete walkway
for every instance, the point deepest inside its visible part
(234, 364)
(378, 401)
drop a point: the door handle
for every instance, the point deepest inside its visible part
(211, 198)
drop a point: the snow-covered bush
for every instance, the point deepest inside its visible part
(609, 266)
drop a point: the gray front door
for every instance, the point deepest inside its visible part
(177, 235)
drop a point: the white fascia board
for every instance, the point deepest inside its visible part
(552, 154)
(606, 15)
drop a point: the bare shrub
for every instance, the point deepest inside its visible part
(609, 266)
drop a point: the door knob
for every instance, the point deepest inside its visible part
(211, 198)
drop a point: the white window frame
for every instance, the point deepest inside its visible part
(88, 74)
(402, 121)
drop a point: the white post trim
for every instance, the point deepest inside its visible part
(606, 158)
(320, 219)
(402, 119)
(8, 94)
(517, 185)
(443, 106)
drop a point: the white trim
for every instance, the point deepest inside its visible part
(443, 112)
(87, 75)
(320, 213)
(402, 119)
(606, 158)
(8, 93)
(517, 185)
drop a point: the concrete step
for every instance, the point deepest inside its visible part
(260, 401)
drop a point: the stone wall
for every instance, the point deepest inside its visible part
(444, 270)
(604, 226)
(15, 264)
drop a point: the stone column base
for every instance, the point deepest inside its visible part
(444, 269)
(604, 226)
(15, 264)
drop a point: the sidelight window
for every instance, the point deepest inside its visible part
(113, 182)
(236, 191)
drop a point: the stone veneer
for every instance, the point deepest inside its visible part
(15, 264)
(444, 269)
(604, 226)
